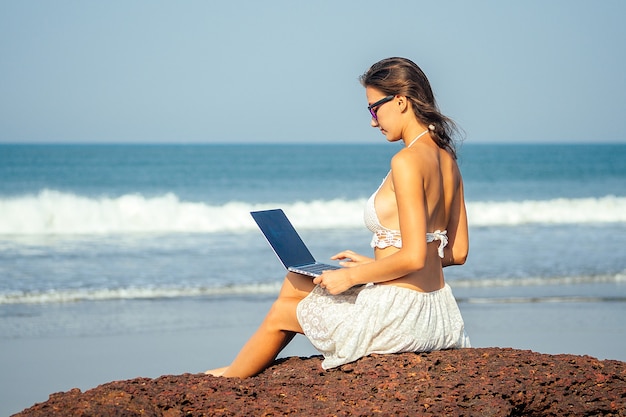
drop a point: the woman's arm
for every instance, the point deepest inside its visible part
(458, 236)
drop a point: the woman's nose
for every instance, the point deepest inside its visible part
(374, 122)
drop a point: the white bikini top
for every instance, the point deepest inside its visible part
(384, 237)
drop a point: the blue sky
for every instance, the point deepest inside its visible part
(287, 71)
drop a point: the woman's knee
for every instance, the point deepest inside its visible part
(282, 315)
(296, 286)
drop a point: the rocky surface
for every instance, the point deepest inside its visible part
(467, 382)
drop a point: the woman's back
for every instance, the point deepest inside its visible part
(427, 173)
(441, 185)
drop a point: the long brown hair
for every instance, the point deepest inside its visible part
(403, 77)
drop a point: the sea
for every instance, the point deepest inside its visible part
(95, 238)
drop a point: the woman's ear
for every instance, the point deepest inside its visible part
(403, 103)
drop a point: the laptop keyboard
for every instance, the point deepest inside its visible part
(316, 269)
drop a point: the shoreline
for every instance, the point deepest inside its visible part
(35, 367)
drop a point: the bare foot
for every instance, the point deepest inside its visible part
(216, 372)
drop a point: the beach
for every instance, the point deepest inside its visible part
(215, 329)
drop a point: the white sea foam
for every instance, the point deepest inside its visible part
(145, 293)
(133, 293)
(608, 209)
(540, 281)
(56, 213)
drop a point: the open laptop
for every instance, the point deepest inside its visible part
(287, 244)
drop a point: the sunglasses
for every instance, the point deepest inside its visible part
(373, 108)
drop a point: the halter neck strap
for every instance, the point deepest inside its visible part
(418, 136)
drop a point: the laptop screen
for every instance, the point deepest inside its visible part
(283, 238)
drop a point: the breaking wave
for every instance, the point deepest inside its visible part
(56, 213)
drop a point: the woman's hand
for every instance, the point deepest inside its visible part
(350, 259)
(335, 281)
(339, 280)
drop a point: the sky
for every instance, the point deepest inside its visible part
(235, 71)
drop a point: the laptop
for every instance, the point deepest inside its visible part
(287, 244)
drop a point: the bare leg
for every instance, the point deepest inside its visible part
(276, 331)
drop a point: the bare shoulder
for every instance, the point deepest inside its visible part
(417, 159)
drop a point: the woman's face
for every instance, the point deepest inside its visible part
(385, 116)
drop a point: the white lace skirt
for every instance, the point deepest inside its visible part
(380, 319)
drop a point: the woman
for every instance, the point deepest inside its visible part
(398, 301)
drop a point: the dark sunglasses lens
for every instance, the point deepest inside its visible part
(377, 104)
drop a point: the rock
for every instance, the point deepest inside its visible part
(465, 382)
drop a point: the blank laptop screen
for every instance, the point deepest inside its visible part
(282, 236)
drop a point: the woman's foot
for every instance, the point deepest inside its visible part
(216, 372)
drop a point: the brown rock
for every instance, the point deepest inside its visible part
(466, 382)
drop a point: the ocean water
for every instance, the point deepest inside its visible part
(94, 238)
